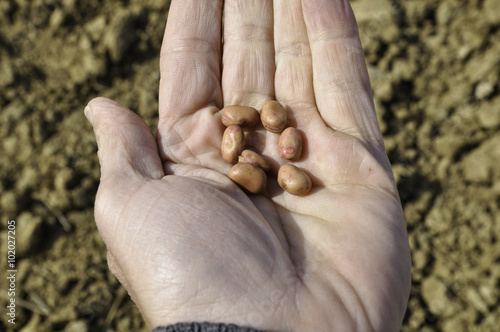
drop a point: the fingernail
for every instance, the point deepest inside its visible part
(88, 114)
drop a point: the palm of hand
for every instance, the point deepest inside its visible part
(192, 246)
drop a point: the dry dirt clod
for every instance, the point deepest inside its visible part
(249, 176)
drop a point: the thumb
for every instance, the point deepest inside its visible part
(126, 145)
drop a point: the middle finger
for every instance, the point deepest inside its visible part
(248, 53)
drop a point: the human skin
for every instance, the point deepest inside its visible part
(189, 245)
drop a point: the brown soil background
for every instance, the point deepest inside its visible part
(435, 68)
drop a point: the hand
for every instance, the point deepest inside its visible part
(189, 245)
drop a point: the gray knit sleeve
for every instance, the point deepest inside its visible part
(204, 327)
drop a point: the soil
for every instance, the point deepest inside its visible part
(435, 70)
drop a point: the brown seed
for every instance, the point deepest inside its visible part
(273, 116)
(232, 144)
(242, 116)
(290, 144)
(251, 157)
(249, 176)
(294, 180)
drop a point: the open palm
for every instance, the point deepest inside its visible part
(189, 244)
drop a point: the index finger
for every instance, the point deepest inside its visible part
(190, 59)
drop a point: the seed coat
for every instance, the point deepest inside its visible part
(294, 180)
(232, 144)
(273, 116)
(243, 116)
(252, 157)
(290, 144)
(249, 176)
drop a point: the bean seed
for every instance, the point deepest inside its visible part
(273, 116)
(251, 157)
(232, 144)
(249, 176)
(290, 144)
(294, 180)
(242, 116)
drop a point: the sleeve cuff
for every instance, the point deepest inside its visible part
(204, 327)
